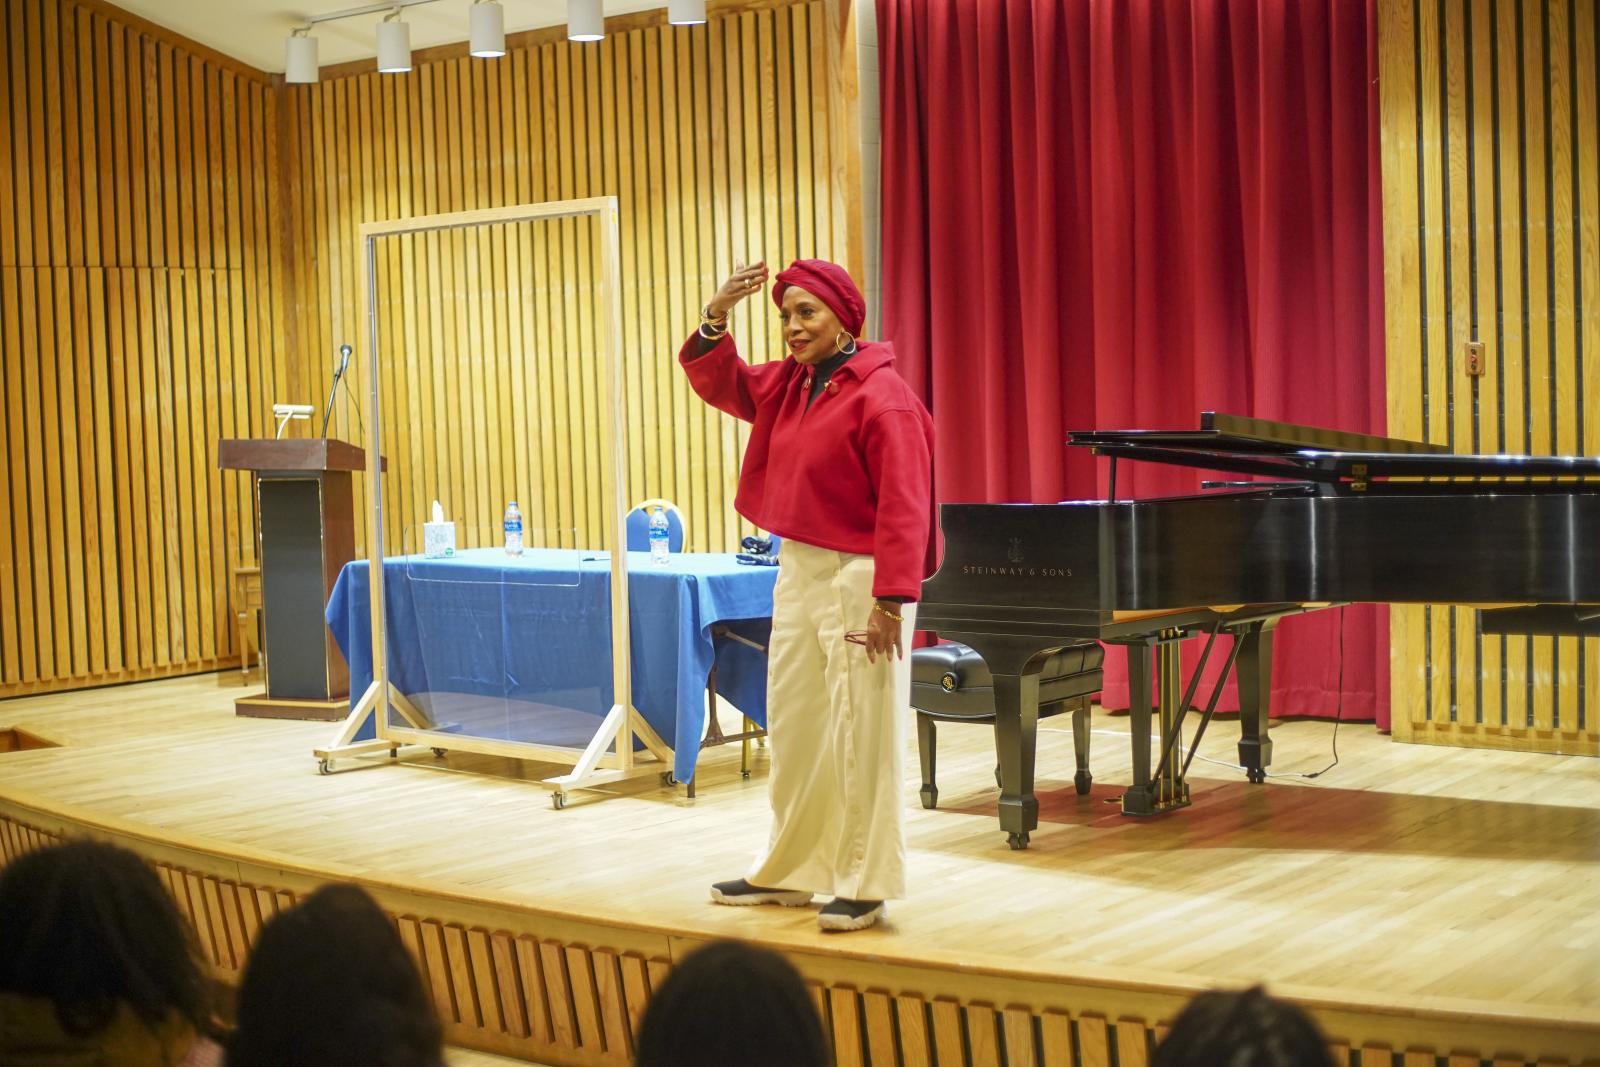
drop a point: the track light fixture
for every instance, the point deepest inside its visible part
(394, 40)
(585, 21)
(394, 44)
(488, 29)
(300, 57)
(686, 12)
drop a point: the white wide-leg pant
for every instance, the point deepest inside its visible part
(837, 727)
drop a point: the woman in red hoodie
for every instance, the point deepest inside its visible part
(839, 464)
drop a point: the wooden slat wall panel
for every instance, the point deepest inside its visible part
(135, 250)
(1491, 211)
(492, 336)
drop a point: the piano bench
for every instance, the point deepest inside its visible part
(951, 683)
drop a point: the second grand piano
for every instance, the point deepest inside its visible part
(1344, 518)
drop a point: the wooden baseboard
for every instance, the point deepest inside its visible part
(261, 706)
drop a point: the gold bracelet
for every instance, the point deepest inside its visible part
(711, 333)
(708, 319)
(881, 610)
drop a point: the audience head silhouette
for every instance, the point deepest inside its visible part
(98, 964)
(1246, 1029)
(732, 1003)
(330, 982)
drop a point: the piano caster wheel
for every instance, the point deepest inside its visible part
(440, 753)
(930, 796)
(1257, 775)
(325, 766)
(669, 779)
(1081, 782)
(559, 800)
(1018, 840)
(997, 779)
(744, 774)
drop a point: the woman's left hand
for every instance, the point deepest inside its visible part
(883, 632)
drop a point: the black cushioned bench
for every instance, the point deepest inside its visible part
(951, 683)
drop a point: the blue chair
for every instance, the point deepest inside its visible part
(639, 525)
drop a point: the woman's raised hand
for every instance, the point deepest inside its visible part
(743, 282)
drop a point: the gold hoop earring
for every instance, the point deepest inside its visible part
(847, 345)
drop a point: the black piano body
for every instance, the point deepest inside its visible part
(1345, 518)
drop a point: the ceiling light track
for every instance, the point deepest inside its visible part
(585, 22)
(366, 9)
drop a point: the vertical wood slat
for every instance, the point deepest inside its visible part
(1094, 1044)
(563, 1019)
(844, 1011)
(616, 1028)
(513, 1008)
(120, 262)
(878, 1010)
(530, 972)
(1489, 148)
(947, 1039)
(911, 1022)
(437, 965)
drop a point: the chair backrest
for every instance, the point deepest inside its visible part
(639, 525)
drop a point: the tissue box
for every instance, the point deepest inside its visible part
(438, 539)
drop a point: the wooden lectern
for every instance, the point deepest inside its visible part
(307, 530)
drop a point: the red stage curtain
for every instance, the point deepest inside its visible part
(1118, 213)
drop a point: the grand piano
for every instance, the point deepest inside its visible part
(1320, 518)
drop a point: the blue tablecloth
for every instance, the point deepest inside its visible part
(519, 648)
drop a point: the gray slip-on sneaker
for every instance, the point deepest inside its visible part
(740, 892)
(840, 914)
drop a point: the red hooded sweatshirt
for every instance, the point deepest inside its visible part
(853, 472)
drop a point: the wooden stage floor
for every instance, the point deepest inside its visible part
(1418, 898)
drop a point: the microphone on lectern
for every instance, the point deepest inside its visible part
(338, 372)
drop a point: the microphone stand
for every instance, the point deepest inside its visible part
(327, 413)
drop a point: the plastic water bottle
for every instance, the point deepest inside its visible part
(513, 526)
(659, 533)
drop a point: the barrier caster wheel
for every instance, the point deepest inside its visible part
(325, 766)
(669, 779)
(1017, 841)
(559, 800)
(441, 753)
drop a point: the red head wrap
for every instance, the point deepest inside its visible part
(829, 283)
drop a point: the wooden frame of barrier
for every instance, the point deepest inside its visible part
(609, 755)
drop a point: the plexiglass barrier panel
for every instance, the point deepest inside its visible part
(509, 647)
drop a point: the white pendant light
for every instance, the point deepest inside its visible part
(686, 12)
(585, 21)
(300, 59)
(488, 32)
(394, 45)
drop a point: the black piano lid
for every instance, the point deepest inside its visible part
(1225, 434)
(1331, 457)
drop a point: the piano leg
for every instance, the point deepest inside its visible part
(1153, 659)
(1140, 799)
(1080, 745)
(928, 749)
(1016, 722)
(1255, 697)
